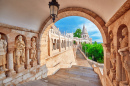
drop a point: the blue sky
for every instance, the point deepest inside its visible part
(71, 23)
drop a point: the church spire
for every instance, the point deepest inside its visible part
(84, 30)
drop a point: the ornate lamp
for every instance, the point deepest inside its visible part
(54, 7)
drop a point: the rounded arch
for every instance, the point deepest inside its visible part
(4, 37)
(77, 11)
(36, 40)
(23, 38)
(119, 32)
(71, 11)
(75, 42)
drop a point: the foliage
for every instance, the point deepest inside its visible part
(74, 42)
(78, 33)
(94, 50)
(90, 58)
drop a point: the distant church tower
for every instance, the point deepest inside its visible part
(84, 33)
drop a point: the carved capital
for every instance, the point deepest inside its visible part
(10, 50)
(27, 48)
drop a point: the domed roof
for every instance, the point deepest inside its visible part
(84, 30)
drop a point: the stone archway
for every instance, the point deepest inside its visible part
(72, 11)
(75, 42)
(77, 11)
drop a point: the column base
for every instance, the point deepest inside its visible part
(11, 73)
(33, 63)
(28, 66)
(2, 75)
(19, 68)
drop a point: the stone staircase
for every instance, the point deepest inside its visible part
(74, 76)
(81, 74)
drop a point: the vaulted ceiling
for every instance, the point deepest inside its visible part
(31, 14)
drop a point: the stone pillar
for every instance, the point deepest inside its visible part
(65, 44)
(106, 48)
(59, 44)
(118, 69)
(27, 58)
(10, 62)
(27, 54)
(38, 56)
(68, 43)
(56, 44)
(49, 44)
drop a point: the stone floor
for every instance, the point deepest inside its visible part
(81, 74)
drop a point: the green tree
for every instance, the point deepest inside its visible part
(95, 50)
(78, 33)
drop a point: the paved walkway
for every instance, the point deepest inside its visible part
(78, 75)
(80, 60)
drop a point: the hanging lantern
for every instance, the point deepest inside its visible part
(54, 7)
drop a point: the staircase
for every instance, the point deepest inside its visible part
(74, 76)
(81, 74)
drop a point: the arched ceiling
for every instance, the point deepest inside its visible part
(31, 14)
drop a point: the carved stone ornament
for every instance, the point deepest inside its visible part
(124, 52)
(33, 52)
(112, 74)
(20, 51)
(3, 48)
(33, 49)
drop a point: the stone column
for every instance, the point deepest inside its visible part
(56, 44)
(59, 44)
(106, 48)
(68, 43)
(38, 56)
(10, 62)
(27, 58)
(65, 44)
(50, 45)
(118, 69)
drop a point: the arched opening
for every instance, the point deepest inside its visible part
(20, 53)
(3, 54)
(76, 11)
(123, 51)
(72, 12)
(74, 42)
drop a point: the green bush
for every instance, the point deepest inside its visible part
(94, 50)
(90, 58)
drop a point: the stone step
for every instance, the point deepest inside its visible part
(77, 76)
(81, 67)
(37, 83)
(87, 69)
(86, 73)
(61, 81)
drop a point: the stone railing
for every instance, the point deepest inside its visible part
(98, 68)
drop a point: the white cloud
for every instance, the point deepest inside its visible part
(91, 28)
(98, 34)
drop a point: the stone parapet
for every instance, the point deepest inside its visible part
(31, 74)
